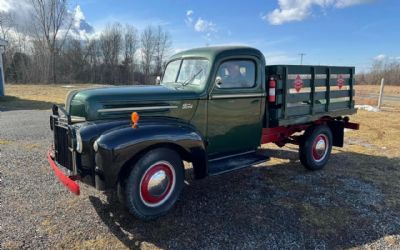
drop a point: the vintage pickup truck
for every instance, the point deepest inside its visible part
(214, 108)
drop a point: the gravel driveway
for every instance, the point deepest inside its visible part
(271, 206)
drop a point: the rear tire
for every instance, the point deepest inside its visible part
(154, 184)
(315, 147)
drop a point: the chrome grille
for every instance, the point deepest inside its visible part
(62, 143)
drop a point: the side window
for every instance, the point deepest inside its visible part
(237, 74)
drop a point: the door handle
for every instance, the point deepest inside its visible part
(255, 101)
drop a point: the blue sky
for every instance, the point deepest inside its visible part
(334, 32)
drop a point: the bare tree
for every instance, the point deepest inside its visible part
(388, 69)
(162, 47)
(147, 41)
(6, 23)
(73, 60)
(51, 16)
(111, 45)
(130, 46)
(93, 59)
(42, 51)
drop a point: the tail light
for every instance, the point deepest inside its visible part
(272, 90)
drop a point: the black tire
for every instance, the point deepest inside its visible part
(310, 156)
(121, 192)
(138, 198)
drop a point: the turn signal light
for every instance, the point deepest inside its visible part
(135, 119)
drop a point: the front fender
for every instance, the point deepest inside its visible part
(116, 147)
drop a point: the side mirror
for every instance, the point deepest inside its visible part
(218, 81)
(158, 80)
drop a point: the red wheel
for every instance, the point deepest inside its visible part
(157, 183)
(320, 147)
(154, 183)
(315, 147)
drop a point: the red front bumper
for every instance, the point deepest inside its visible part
(66, 180)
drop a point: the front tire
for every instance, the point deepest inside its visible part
(315, 147)
(154, 184)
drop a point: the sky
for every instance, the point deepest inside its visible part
(328, 32)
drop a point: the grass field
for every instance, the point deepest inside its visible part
(374, 89)
(368, 94)
(41, 96)
(37, 96)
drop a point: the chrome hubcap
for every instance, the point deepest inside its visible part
(158, 183)
(320, 147)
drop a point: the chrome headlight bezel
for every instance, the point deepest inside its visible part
(79, 144)
(95, 146)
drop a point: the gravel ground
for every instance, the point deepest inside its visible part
(276, 205)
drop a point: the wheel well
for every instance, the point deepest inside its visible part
(336, 127)
(126, 168)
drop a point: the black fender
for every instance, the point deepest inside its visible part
(337, 128)
(115, 148)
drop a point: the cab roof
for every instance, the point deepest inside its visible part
(214, 52)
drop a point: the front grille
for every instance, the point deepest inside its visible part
(62, 143)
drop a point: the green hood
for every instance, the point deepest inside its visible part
(120, 102)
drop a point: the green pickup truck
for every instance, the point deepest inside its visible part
(214, 107)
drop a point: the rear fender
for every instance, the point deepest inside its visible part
(116, 148)
(337, 128)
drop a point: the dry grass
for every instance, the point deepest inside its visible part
(364, 92)
(42, 92)
(381, 129)
(4, 142)
(37, 96)
(42, 96)
(374, 89)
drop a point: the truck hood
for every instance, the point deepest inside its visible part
(120, 102)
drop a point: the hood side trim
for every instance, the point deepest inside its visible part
(136, 109)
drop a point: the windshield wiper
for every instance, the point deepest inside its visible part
(192, 78)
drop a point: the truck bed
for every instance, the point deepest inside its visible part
(305, 93)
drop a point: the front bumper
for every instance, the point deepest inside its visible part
(68, 181)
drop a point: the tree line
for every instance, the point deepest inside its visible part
(388, 69)
(45, 51)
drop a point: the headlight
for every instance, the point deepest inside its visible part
(79, 145)
(95, 146)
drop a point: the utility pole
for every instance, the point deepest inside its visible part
(301, 58)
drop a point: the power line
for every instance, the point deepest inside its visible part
(301, 57)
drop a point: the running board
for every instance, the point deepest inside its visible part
(235, 162)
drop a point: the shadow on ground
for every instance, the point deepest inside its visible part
(353, 202)
(10, 103)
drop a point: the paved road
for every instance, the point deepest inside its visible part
(280, 206)
(376, 96)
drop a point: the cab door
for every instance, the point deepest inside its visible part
(234, 107)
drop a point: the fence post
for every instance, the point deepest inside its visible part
(380, 100)
(2, 87)
(3, 43)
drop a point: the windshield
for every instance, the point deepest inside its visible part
(187, 72)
